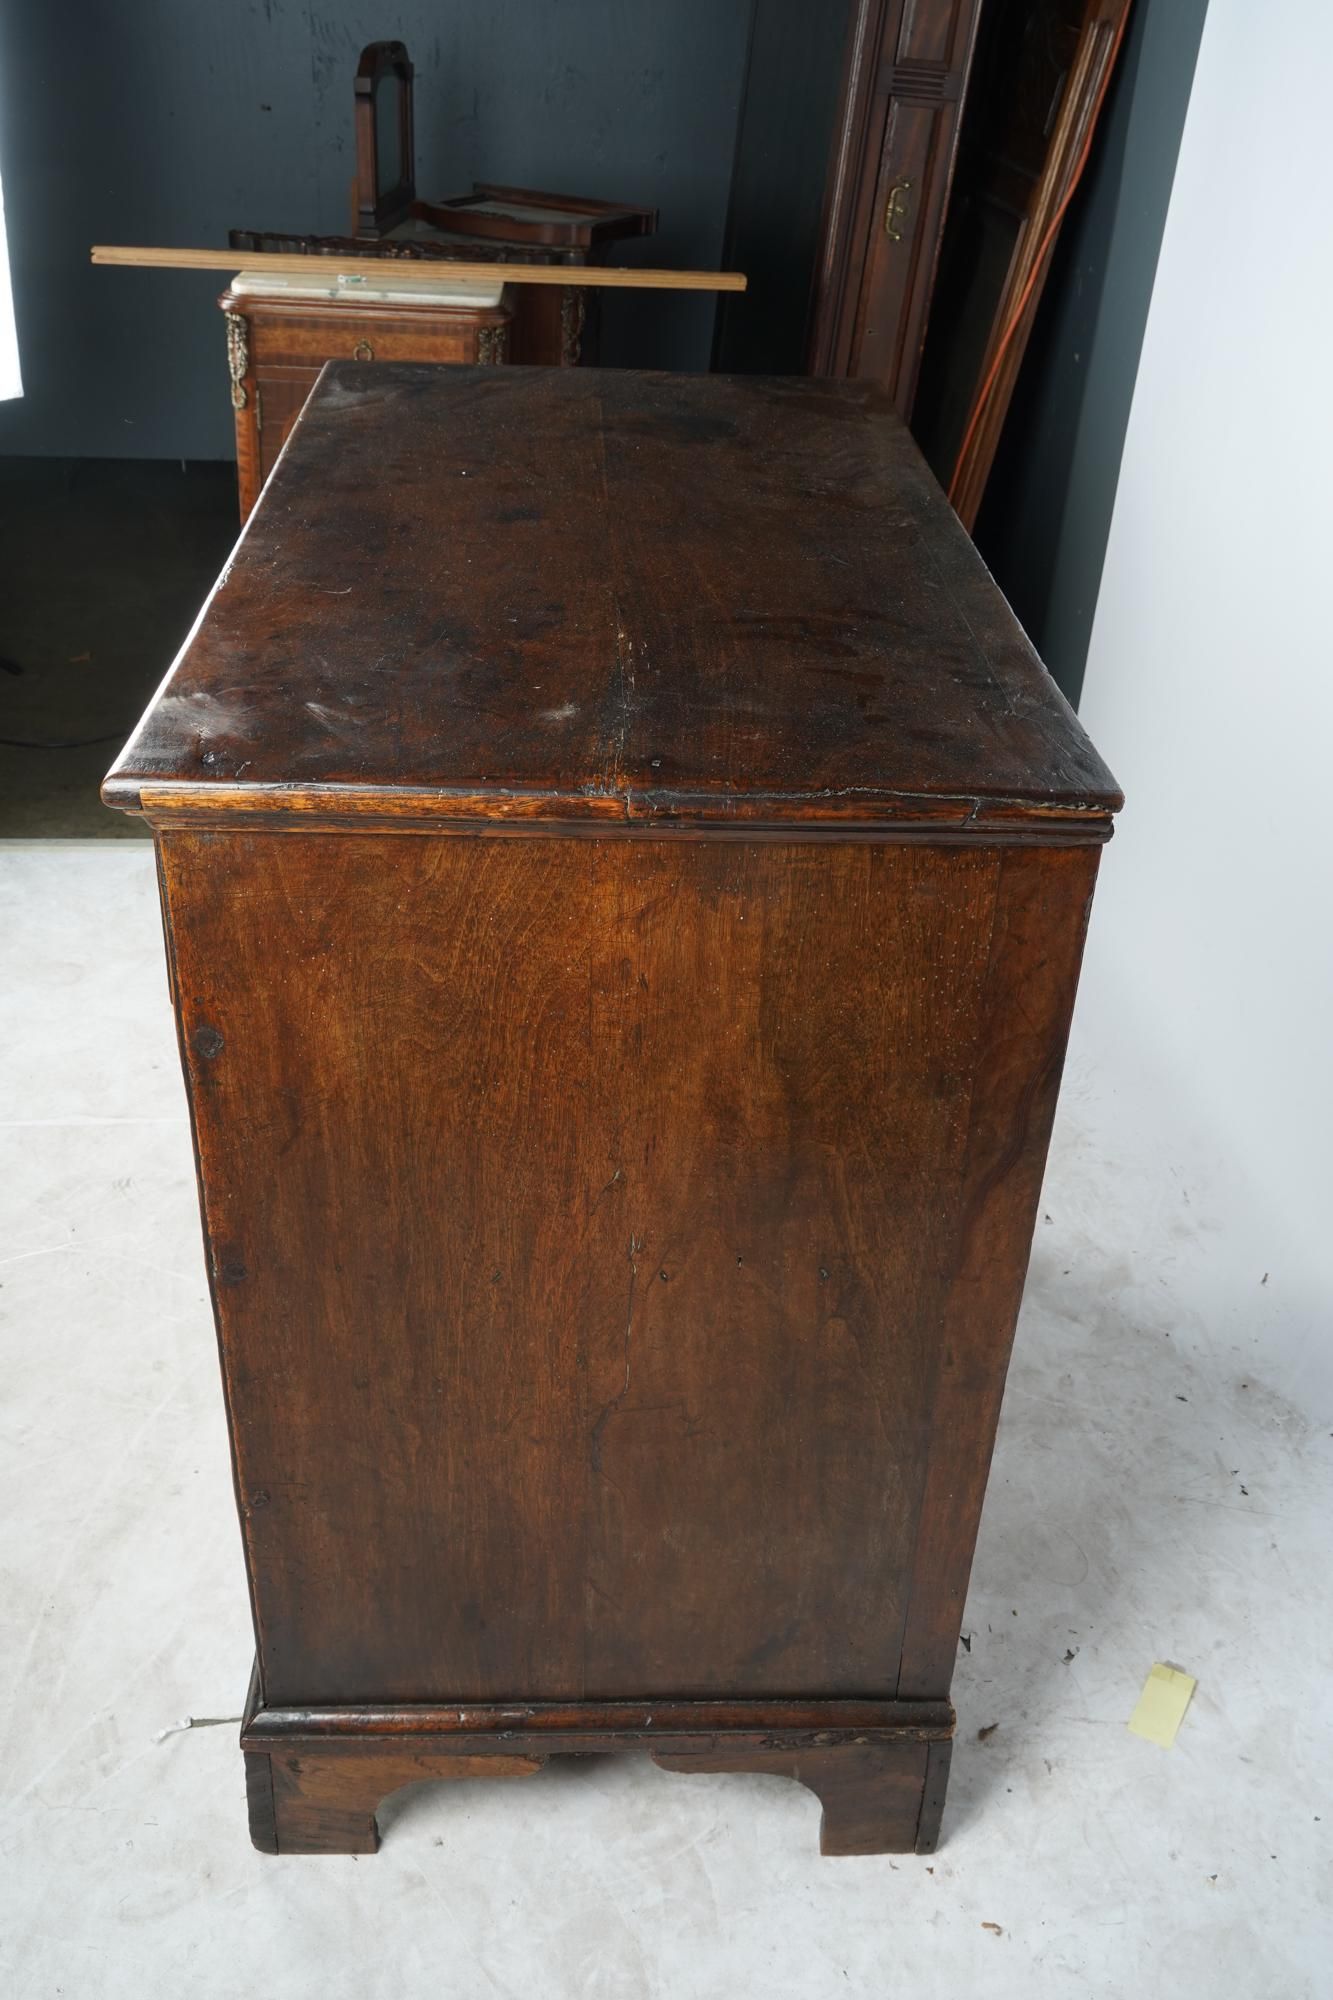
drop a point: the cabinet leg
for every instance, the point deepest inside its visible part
(878, 1798)
(324, 1801)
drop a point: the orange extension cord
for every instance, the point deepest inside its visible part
(1052, 230)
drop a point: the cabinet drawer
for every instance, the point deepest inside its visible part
(302, 342)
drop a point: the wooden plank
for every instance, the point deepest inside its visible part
(609, 277)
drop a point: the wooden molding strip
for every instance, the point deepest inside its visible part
(484, 1725)
(633, 814)
(608, 277)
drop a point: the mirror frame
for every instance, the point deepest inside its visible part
(380, 209)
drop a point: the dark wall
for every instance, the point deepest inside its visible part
(171, 121)
(783, 146)
(1047, 514)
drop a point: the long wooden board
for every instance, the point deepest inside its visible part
(608, 276)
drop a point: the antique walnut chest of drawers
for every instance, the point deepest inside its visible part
(625, 874)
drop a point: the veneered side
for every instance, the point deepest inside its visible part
(582, 1222)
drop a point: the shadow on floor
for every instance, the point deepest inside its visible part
(103, 566)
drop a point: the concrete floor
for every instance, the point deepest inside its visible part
(103, 566)
(1152, 1499)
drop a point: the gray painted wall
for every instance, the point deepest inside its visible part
(171, 121)
(777, 195)
(1047, 516)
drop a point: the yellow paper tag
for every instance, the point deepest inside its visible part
(1161, 1707)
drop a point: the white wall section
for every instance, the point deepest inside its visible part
(1208, 1000)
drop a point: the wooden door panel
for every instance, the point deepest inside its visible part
(906, 73)
(903, 240)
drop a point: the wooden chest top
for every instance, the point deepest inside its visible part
(616, 602)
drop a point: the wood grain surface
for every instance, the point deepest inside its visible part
(583, 1220)
(641, 278)
(590, 596)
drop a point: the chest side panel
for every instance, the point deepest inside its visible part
(583, 1218)
(1036, 948)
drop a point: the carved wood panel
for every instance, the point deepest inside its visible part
(906, 71)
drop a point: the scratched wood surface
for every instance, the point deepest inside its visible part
(593, 595)
(584, 1222)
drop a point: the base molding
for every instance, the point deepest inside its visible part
(315, 1776)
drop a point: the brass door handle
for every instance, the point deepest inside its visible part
(895, 210)
(363, 351)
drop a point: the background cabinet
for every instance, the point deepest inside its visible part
(848, 131)
(895, 139)
(277, 345)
